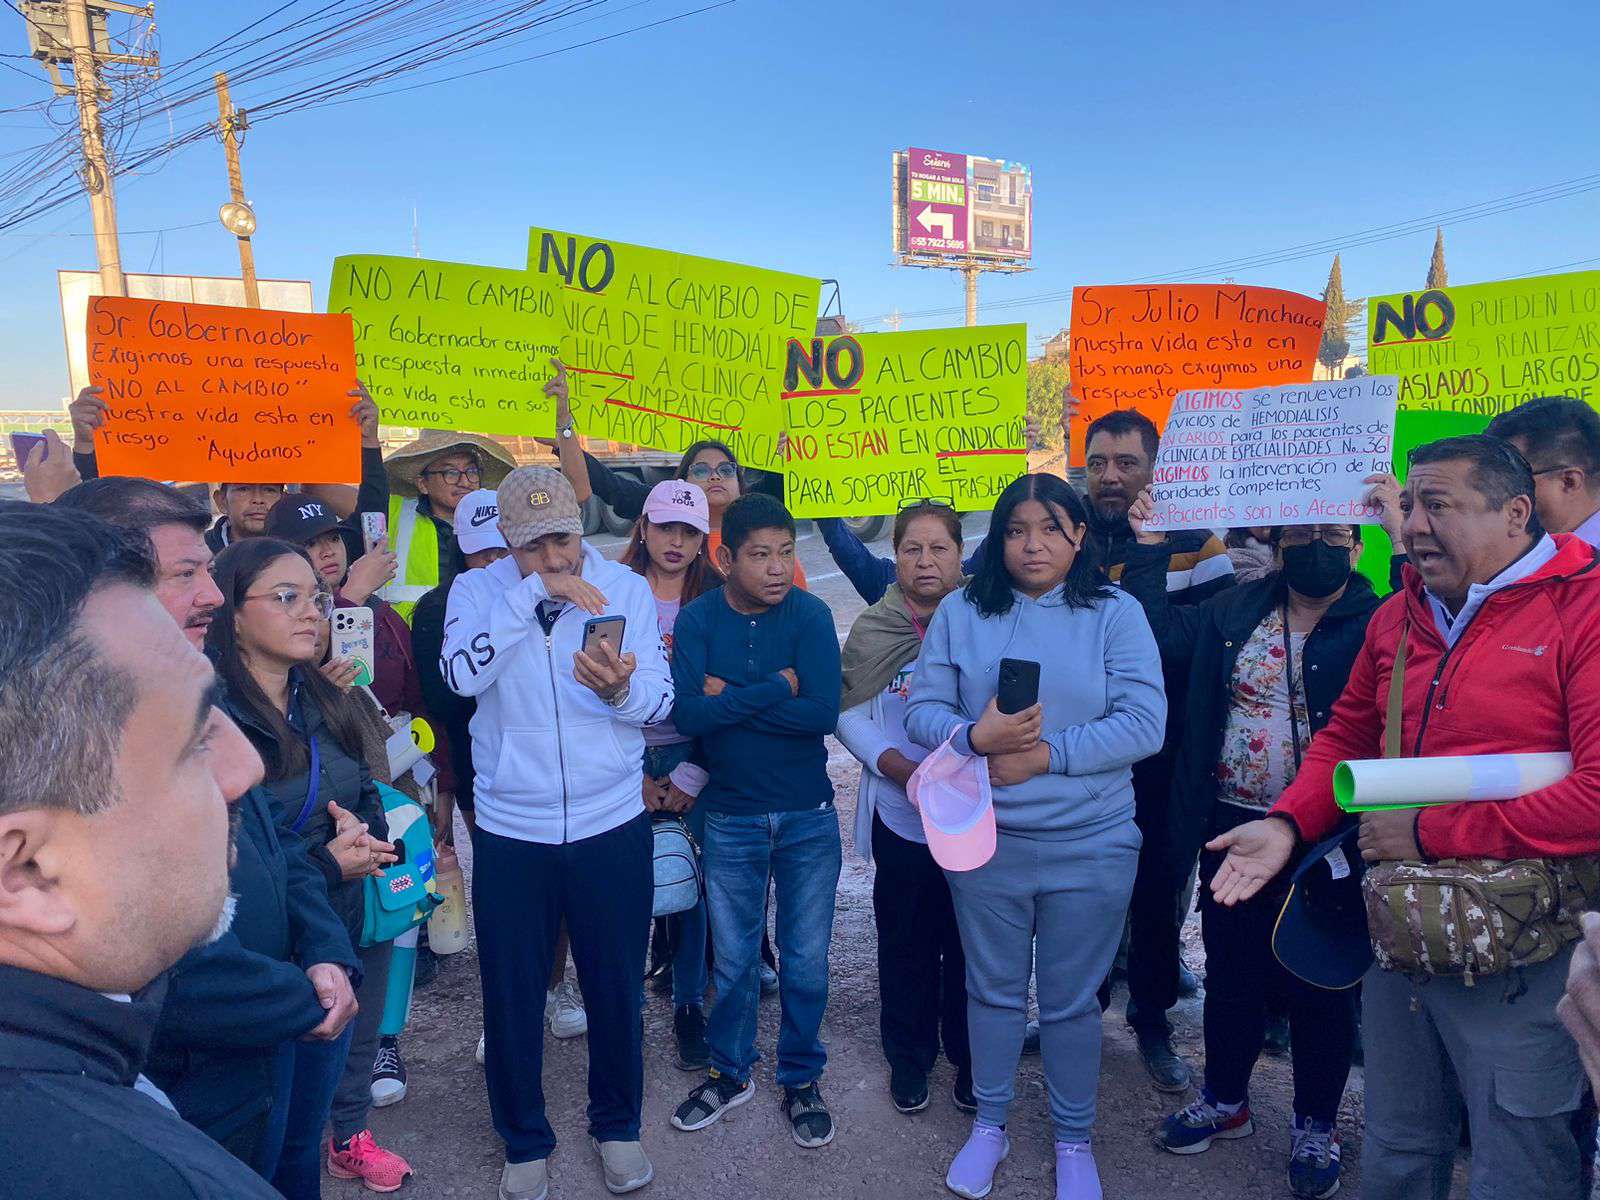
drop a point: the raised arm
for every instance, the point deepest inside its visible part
(867, 573)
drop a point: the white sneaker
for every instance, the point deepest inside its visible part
(480, 1050)
(563, 1008)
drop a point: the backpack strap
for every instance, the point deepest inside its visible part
(1395, 715)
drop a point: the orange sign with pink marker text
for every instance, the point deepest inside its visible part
(224, 395)
(1139, 345)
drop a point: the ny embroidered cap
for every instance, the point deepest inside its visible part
(674, 500)
(478, 522)
(1321, 935)
(952, 791)
(535, 501)
(298, 518)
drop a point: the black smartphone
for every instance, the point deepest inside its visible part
(603, 629)
(1019, 685)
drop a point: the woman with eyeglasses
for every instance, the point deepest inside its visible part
(264, 642)
(1265, 660)
(1066, 845)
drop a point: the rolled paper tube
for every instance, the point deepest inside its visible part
(1378, 784)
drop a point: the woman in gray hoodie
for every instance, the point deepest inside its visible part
(1067, 847)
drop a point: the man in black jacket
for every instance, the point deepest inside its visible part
(284, 969)
(116, 774)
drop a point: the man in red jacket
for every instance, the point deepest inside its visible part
(1502, 626)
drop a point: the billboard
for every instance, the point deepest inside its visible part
(961, 206)
(77, 287)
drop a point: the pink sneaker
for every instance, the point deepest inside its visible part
(362, 1158)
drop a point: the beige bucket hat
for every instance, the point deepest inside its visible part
(406, 464)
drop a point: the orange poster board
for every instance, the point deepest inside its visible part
(1139, 345)
(223, 395)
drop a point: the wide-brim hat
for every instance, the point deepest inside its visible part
(1321, 935)
(405, 465)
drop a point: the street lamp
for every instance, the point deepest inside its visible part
(238, 218)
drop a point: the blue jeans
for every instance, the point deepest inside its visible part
(311, 1071)
(689, 954)
(800, 853)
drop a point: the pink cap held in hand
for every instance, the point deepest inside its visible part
(952, 791)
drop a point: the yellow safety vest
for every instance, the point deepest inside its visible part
(415, 541)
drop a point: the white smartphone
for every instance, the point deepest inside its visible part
(374, 528)
(353, 639)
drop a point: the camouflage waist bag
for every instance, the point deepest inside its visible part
(1478, 916)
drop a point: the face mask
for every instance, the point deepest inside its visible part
(1316, 569)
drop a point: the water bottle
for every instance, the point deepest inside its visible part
(447, 927)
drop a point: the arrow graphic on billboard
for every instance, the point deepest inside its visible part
(943, 223)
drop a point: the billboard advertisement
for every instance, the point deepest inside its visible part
(962, 206)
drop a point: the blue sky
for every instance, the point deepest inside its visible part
(1162, 136)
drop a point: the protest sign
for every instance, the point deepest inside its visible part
(877, 420)
(1463, 355)
(1295, 454)
(1137, 346)
(665, 349)
(448, 345)
(224, 395)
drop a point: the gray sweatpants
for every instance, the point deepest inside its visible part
(1072, 895)
(353, 1098)
(1510, 1061)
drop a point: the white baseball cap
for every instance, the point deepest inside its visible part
(478, 522)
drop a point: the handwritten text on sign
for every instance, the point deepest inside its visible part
(224, 395)
(447, 345)
(1290, 455)
(666, 349)
(879, 419)
(1139, 346)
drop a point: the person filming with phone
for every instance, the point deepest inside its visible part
(562, 650)
(1055, 855)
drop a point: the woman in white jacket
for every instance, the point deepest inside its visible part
(561, 828)
(921, 970)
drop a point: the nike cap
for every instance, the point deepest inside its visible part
(478, 522)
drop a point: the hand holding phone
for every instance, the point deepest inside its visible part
(1019, 685)
(601, 666)
(353, 640)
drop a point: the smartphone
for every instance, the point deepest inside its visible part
(1019, 685)
(23, 444)
(353, 639)
(603, 629)
(374, 528)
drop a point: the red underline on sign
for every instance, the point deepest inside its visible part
(593, 371)
(824, 392)
(585, 291)
(676, 417)
(969, 453)
(1412, 341)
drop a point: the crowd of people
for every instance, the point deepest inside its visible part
(1058, 730)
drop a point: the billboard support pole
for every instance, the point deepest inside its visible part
(970, 274)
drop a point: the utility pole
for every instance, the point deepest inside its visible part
(970, 274)
(71, 32)
(237, 215)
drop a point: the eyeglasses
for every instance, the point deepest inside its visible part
(290, 599)
(1304, 535)
(455, 475)
(701, 472)
(926, 502)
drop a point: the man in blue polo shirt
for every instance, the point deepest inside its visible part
(755, 665)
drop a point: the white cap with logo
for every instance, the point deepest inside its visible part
(478, 522)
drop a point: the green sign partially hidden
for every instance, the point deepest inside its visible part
(878, 420)
(449, 346)
(665, 349)
(1466, 354)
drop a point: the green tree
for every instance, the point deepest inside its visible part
(1342, 317)
(1047, 379)
(1438, 277)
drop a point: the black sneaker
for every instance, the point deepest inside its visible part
(708, 1102)
(388, 1074)
(908, 1089)
(661, 980)
(1189, 985)
(809, 1117)
(1170, 1073)
(961, 1093)
(689, 1026)
(426, 969)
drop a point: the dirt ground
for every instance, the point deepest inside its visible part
(443, 1125)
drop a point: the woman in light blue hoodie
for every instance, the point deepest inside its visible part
(1067, 847)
